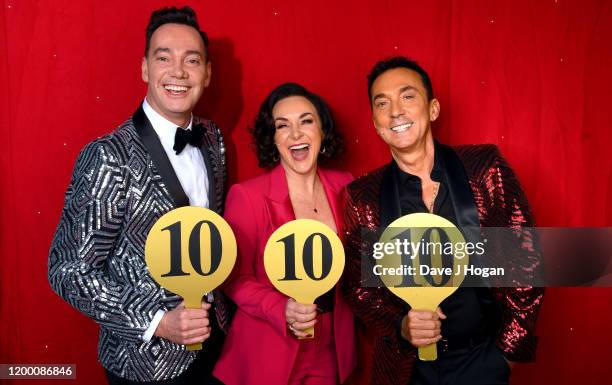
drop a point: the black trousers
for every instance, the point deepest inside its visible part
(483, 364)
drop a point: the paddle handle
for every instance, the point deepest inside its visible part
(428, 353)
(191, 303)
(310, 331)
(193, 347)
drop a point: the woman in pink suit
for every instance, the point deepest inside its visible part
(293, 130)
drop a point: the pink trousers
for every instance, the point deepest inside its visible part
(316, 362)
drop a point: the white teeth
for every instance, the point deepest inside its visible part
(171, 87)
(402, 127)
(299, 147)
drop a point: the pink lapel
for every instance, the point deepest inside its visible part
(277, 200)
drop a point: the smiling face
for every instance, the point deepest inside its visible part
(401, 111)
(176, 71)
(298, 134)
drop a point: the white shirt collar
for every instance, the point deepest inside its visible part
(165, 129)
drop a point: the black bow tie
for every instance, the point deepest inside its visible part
(193, 137)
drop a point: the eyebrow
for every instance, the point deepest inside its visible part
(161, 49)
(167, 50)
(286, 120)
(401, 90)
(407, 88)
(194, 52)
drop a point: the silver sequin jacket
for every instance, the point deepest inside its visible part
(96, 261)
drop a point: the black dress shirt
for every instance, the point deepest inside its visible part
(465, 308)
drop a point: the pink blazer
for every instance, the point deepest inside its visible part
(258, 347)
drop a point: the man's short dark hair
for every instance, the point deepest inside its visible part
(173, 15)
(264, 128)
(399, 62)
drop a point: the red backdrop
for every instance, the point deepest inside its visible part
(529, 76)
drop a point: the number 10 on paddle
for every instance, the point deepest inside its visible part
(304, 259)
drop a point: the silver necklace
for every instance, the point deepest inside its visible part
(433, 197)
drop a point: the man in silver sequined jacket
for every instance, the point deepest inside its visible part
(159, 159)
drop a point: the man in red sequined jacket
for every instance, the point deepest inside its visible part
(479, 331)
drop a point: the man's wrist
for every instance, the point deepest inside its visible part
(402, 338)
(401, 328)
(153, 326)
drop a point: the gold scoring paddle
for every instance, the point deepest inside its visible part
(190, 251)
(420, 291)
(304, 259)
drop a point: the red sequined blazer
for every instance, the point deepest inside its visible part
(485, 192)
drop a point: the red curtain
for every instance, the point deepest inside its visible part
(529, 76)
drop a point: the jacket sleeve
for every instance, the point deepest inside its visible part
(85, 242)
(375, 306)
(520, 305)
(255, 298)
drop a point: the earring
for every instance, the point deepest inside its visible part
(323, 149)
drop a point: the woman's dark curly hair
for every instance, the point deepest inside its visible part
(264, 129)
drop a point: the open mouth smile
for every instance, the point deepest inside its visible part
(299, 151)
